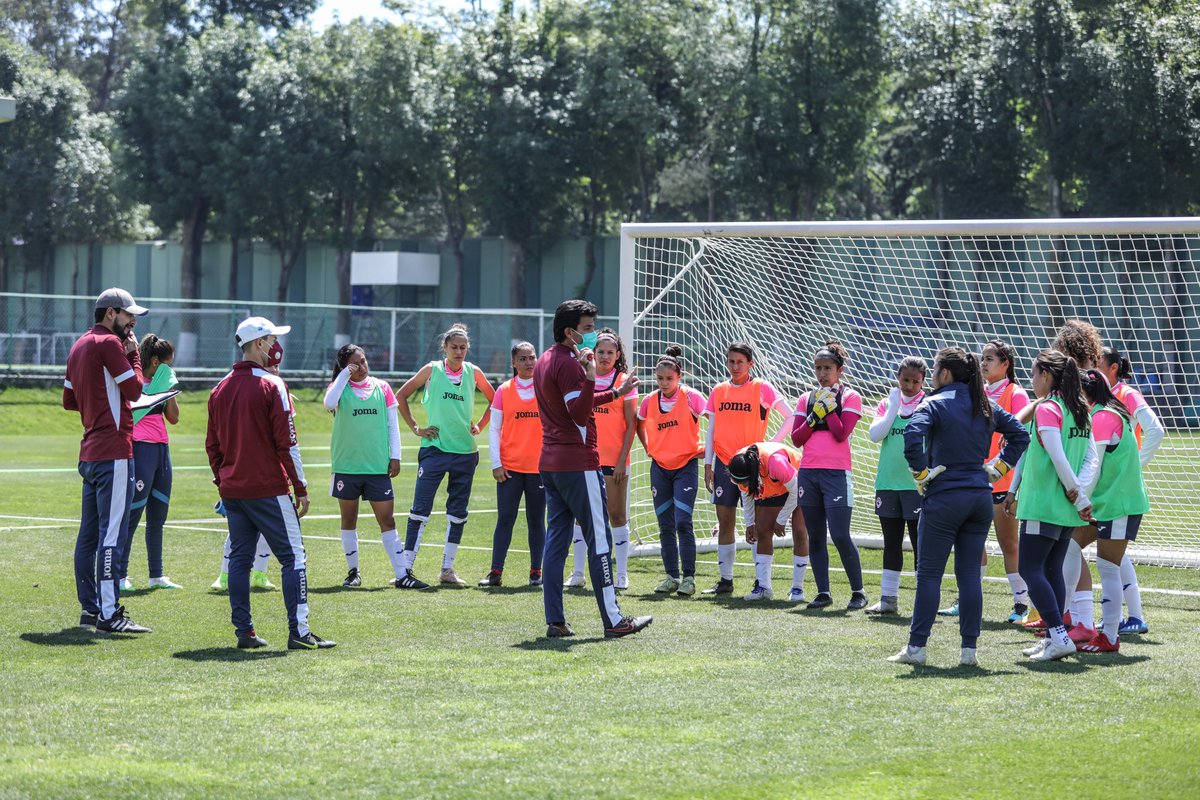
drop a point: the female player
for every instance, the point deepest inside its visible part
(616, 424)
(767, 475)
(944, 446)
(515, 445)
(897, 503)
(823, 422)
(447, 447)
(365, 455)
(152, 462)
(669, 429)
(1050, 502)
(1119, 500)
(738, 410)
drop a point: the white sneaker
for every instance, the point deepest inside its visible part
(1053, 652)
(576, 581)
(759, 592)
(622, 581)
(126, 585)
(1037, 648)
(795, 595)
(909, 655)
(163, 583)
(967, 658)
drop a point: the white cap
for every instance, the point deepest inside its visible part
(119, 298)
(253, 328)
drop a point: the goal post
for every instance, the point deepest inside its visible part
(891, 289)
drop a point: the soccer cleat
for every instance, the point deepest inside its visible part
(126, 585)
(795, 596)
(1067, 619)
(822, 600)
(1133, 625)
(627, 627)
(450, 577)
(309, 641)
(119, 623)
(952, 611)
(857, 600)
(668, 585)
(622, 582)
(967, 657)
(1035, 625)
(87, 620)
(258, 580)
(1100, 644)
(250, 640)
(221, 584)
(493, 578)
(1053, 652)
(1035, 649)
(559, 630)
(909, 655)
(886, 605)
(1019, 615)
(353, 579)
(759, 592)
(162, 582)
(410, 581)
(1079, 634)
(576, 581)
(687, 586)
(722, 586)
(535, 577)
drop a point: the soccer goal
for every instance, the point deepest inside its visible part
(891, 289)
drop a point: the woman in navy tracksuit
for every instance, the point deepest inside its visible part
(946, 441)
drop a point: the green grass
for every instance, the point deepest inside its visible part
(455, 693)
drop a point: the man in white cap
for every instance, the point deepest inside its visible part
(254, 457)
(104, 375)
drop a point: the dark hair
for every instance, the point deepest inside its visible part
(1079, 340)
(744, 466)
(154, 347)
(343, 356)
(1097, 391)
(608, 333)
(834, 351)
(568, 314)
(912, 362)
(1067, 382)
(518, 347)
(964, 368)
(457, 329)
(740, 347)
(1113, 356)
(100, 313)
(672, 358)
(1008, 353)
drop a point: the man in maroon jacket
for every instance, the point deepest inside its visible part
(104, 375)
(254, 457)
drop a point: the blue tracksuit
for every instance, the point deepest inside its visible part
(674, 493)
(276, 518)
(152, 474)
(107, 492)
(957, 511)
(570, 497)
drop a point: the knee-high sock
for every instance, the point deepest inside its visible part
(621, 548)
(1019, 589)
(579, 552)
(1133, 593)
(762, 568)
(394, 550)
(350, 548)
(889, 584)
(1083, 608)
(412, 539)
(726, 555)
(799, 568)
(262, 555)
(1072, 566)
(1110, 597)
(454, 532)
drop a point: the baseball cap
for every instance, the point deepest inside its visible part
(253, 328)
(275, 355)
(119, 298)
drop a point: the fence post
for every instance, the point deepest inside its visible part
(392, 344)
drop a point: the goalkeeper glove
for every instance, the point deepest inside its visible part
(996, 469)
(925, 477)
(823, 405)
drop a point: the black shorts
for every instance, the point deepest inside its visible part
(1033, 527)
(771, 502)
(998, 498)
(897, 503)
(725, 491)
(609, 471)
(372, 488)
(1121, 528)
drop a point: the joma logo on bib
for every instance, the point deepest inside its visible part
(526, 415)
(671, 423)
(360, 411)
(730, 406)
(453, 396)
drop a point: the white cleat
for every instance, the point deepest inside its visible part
(967, 658)
(795, 595)
(126, 585)
(163, 583)
(759, 592)
(1053, 652)
(1037, 648)
(622, 582)
(909, 655)
(576, 581)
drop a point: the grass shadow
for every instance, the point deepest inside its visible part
(1063, 666)
(562, 645)
(895, 620)
(338, 588)
(68, 637)
(956, 672)
(230, 653)
(526, 589)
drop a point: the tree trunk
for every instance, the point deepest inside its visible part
(104, 85)
(91, 267)
(346, 213)
(516, 274)
(235, 245)
(455, 233)
(189, 282)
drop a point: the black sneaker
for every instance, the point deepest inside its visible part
(353, 579)
(627, 626)
(722, 586)
(822, 600)
(857, 600)
(410, 581)
(535, 577)
(309, 641)
(87, 620)
(119, 623)
(250, 640)
(559, 630)
(493, 578)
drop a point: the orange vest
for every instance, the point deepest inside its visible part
(739, 417)
(672, 437)
(521, 433)
(768, 486)
(1120, 392)
(610, 427)
(1005, 402)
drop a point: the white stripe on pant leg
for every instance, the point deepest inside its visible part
(1120, 528)
(291, 524)
(118, 500)
(849, 489)
(600, 537)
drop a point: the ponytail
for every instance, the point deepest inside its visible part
(1124, 369)
(1097, 391)
(964, 368)
(154, 347)
(1067, 382)
(744, 468)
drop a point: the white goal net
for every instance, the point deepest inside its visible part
(888, 290)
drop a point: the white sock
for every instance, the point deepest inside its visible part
(1019, 589)
(225, 557)
(621, 548)
(726, 555)
(1059, 636)
(889, 584)
(1110, 597)
(262, 555)
(1083, 608)
(1133, 594)
(799, 567)
(448, 555)
(762, 569)
(395, 551)
(1072, 566)
(410, 556)
(579, 550)
(350, 548)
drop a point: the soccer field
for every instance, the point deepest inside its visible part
(456, 693)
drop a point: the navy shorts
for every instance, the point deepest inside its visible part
(1121, 528)
(825, 488)
(771, 502)
(897, 504)
(1032, 527)
(373, 488)
(998, 498)
(725, 491)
